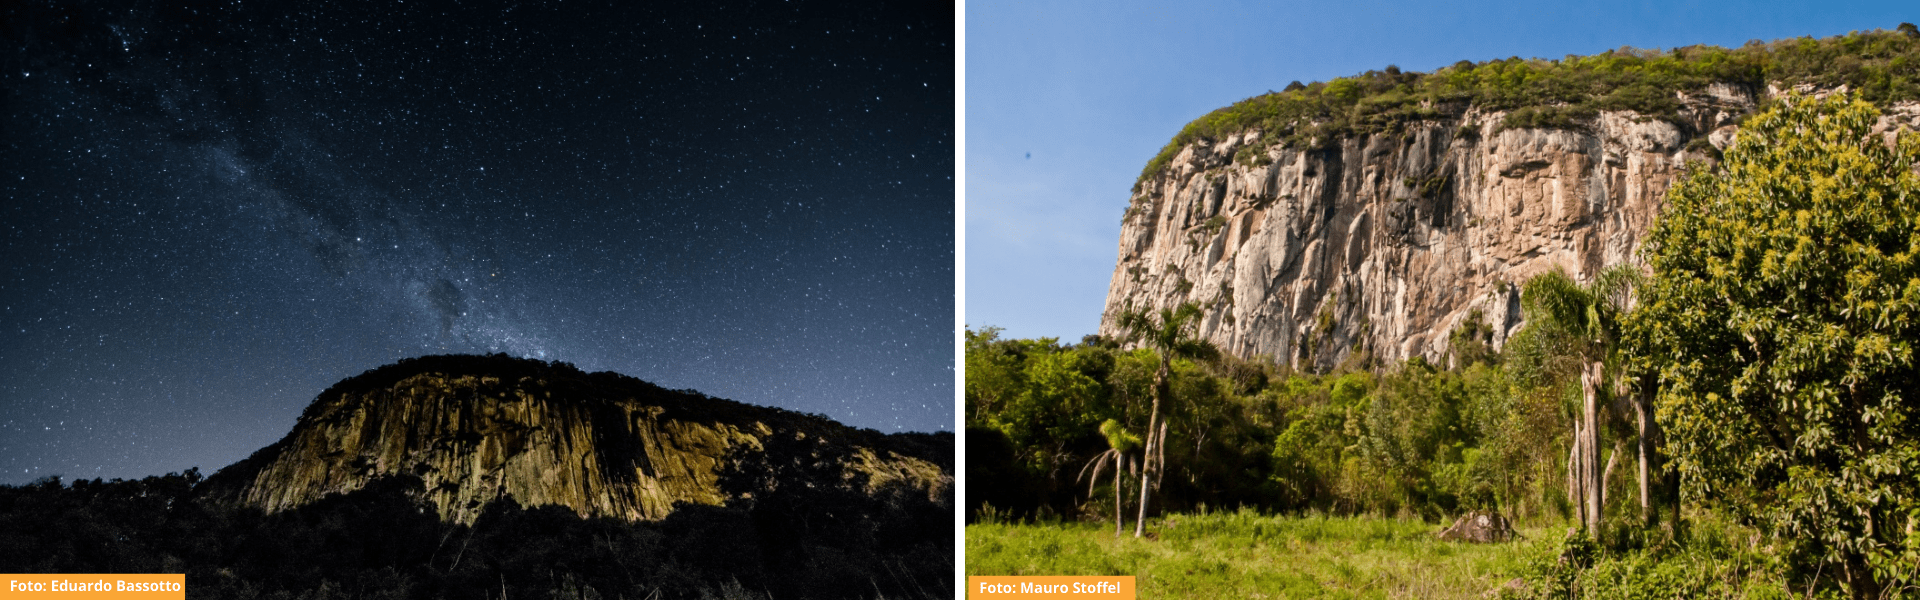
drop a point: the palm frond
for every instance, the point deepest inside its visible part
(1099, 466)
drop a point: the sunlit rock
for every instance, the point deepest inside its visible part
(475, 429)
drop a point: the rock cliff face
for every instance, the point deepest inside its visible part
(1390, 242)
(475, 429)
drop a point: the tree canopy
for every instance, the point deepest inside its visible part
(1780, 319)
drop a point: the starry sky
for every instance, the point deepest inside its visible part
(1068, 99)
(212, 212)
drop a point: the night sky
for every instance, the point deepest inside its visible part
(211, 214)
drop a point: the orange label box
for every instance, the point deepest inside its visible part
(1056, 587)
(123, 586)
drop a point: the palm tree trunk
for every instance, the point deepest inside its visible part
(1606, 475)
(1576, 490)
(1590, 389)
(1119, 518)
(1146, 479)
(1645, 431)
(1147, 465)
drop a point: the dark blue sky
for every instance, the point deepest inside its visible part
(213, 213)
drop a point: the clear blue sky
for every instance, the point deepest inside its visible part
(1093, 89)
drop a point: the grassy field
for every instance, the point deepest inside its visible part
(1249, 555)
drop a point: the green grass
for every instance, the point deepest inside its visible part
(1249, 555)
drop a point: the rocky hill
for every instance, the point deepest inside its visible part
(1384, 212)
(474, 429)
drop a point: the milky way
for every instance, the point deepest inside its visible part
(213, 213)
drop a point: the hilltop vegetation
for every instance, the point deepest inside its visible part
(1881, 66)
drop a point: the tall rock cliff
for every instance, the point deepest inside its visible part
(476, 429)
(1388, 242)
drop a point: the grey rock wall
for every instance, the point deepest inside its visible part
(1388, 242)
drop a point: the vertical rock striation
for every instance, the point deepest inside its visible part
(476, 429)
(1388, 242)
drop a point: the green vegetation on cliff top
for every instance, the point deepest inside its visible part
(1880, 66)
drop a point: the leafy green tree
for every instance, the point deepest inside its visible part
(1036, 392)
(1413, 425)
(1781, 319)
(1172, 333)
(993, 371)
(1307, 456)
(1060, 405)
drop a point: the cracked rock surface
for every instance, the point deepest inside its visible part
(475, 429)
(1388, 242)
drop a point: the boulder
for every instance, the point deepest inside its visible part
(1480, 527)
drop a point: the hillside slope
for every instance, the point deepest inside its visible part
(474, 429)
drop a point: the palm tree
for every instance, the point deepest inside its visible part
(1120, 442)
(1582, 324)
(1169, 335)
